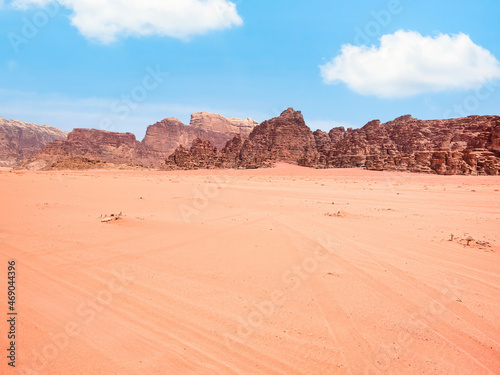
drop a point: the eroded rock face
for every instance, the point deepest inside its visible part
(323, 145)
(238, 153)
(457, 146)
(94, 139)
(202, 154)
(244, 126)
(86, 146)
(19, 140)
(93, 145)
(284, 138)
(468, 145)
(212, 122)
(168, 134)
(231, 156)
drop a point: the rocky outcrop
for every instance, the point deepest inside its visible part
(238, 153)
(19, 140)
(284, 138)
(468, 145)
(202, 154)
(166, 135)
(90, 147)
(323, 145)
(212, 122)
(97, 148)
(457, 146)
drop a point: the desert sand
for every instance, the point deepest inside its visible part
(277, 271)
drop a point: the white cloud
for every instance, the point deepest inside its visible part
(106, 20)
(407, 63)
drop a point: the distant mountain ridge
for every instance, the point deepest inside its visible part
(468, 145)
(168, 134)
(19, 140)
(83, 147)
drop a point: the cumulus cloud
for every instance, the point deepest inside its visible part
(106, 20)
(407, 63)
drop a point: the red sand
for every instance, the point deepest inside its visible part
(282, 271)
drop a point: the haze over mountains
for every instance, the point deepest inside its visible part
(468, 145)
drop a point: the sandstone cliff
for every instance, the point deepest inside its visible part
(216, 123)
(284, 138)
(456, 146)
(90, 147)
(20, 139)
(202, 154)
(468, 145)
(168, 134)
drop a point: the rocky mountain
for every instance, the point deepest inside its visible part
(20, 139)
(468, 145)
(93, 148)
(216, 123)
(457, 146)
(168, 134)
(284, 138)
(83, 147)
(201, 155)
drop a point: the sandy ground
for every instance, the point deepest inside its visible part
(283, 271)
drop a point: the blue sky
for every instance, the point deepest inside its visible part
(74, 67)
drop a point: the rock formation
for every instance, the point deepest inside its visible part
(202, 154)
(94, 148)
(284, 138)
(19, 140)
(468, 145)
(91, 147)
(456, 146)
(216, 123)
(168, 134)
